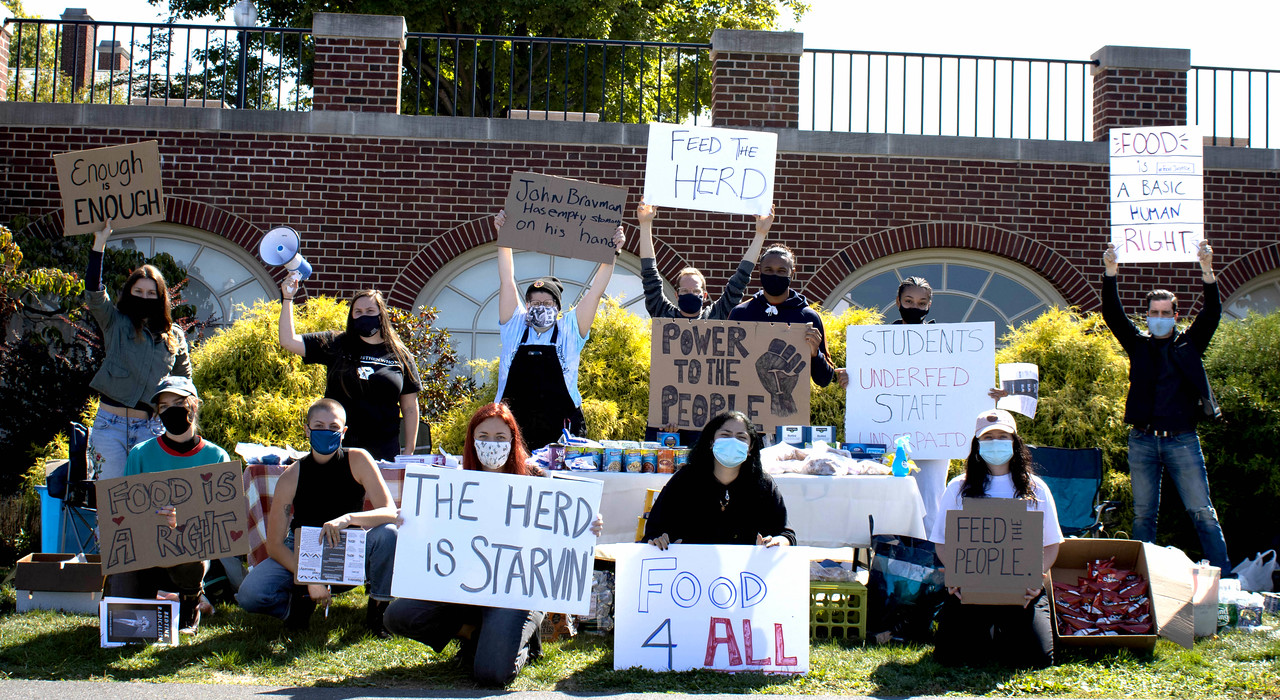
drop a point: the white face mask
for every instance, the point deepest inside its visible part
(492, 455)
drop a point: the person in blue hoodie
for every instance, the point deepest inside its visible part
(777, 302)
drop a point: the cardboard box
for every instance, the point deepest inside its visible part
(57, 582)
(790, 434)
(1167, 575)
(820, 433)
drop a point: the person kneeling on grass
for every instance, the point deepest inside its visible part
(325, 489)
(496, 642)
(999, 466)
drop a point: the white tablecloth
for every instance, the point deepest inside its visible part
(825, 511)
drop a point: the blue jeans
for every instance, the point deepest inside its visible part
(503, 642)
(267, 587)
(1180, 455)
(111, 439)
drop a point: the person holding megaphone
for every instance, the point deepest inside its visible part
(370, 372)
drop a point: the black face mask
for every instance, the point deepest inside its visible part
(690, 303)
(367, 326)
(774, 285)
(138, 308)
(176, 419)
(912, 315)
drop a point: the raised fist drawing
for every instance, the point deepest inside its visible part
(779, 369)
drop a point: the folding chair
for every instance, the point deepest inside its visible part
(1074, 477)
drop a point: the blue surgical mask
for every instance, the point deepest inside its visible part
(325, 442)
(995, 451)
(1160, 326)
(731, 452)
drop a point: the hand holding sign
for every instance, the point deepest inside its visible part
(779, 371)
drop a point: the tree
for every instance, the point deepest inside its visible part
(470, 77)
(34, 66)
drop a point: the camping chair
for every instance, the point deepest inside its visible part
(1074, 478)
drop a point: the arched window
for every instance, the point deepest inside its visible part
(967, 286)
(466, 293)
(221, 275)
(1260, 294)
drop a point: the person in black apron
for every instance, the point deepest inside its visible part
(538, 367)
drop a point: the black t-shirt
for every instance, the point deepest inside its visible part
(368, 381)
(696, 508)
(1175, 404)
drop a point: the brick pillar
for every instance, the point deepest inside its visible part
(77, 49)
(4, 63)
(1137, 86)
(755, 78)
(112, 56)
(357, 65)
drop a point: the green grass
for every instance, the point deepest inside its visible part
(236, 647)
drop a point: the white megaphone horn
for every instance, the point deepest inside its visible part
(280, 247)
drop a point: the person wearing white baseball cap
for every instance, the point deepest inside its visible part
(999, 466)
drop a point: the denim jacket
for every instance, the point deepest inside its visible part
(131, 369)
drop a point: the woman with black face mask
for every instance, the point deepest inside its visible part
(371, 373)
(177, 404)
(142, 345)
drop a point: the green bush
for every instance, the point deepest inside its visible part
(1240, 448)
(826, 404)
(1084, 378)
(614, 375)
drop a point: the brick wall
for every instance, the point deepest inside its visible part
(1139, 87)
(357, 62)
(77, 49)
(755, 79)
(390, 212)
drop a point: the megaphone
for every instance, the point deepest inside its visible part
(280, 247)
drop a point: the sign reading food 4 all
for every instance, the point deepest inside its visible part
(722, 608)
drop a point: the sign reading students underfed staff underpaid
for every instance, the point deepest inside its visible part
(120, 184)
(698, 369)
(697, 167)
(209, 502)
(925, 381)
(494, 539)
(1157, 193)
(995, 550)
(558, 216)
(718, 607)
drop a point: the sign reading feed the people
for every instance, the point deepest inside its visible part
(1157, 193)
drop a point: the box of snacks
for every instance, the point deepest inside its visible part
(1120, 593)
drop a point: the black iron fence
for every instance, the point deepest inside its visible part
(575, 79)
(950, 95)
(131, 63)
(1234, 105)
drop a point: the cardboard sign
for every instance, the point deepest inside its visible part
(697, 167)
(210, 506)
(1157, 193)
(1022, 381)
(718, 607)
(926, 381)
(995, 548)
(499, 540)
(699, 369)
(558, 216)
(120, 184)
(340, 565)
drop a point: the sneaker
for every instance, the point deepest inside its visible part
(373, 618)
(300, 608)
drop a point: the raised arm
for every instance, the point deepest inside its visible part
(289, 338)
(655, 300)
(1112, 310)
(590, 302)
(737, 284)
(763, 224)
(1206, 323)
(508, 295)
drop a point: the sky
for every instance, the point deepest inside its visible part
(1230, 33)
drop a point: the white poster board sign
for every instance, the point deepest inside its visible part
(499, 540)
(697, 167)
(1022, 381)
(1157, 193)
(340, 565)
(716, 607)
(924, 380)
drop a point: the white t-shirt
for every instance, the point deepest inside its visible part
(569, 343)
(999, 487)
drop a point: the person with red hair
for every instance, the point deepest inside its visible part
(496, 642)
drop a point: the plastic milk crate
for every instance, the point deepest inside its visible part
(837, 610)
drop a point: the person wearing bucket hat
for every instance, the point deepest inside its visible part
(177, 403)
(541, 346)
(999, 466)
